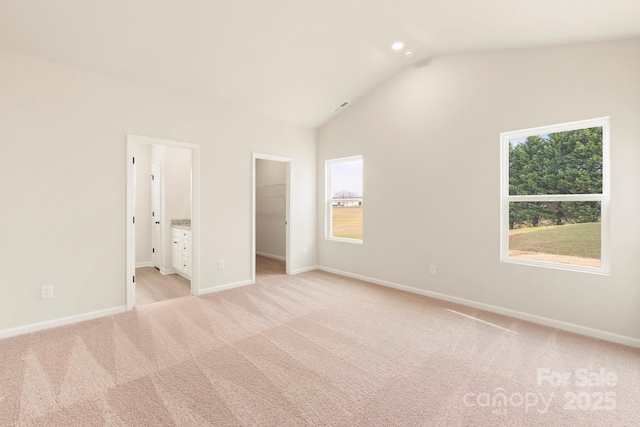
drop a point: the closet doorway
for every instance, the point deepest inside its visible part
(162, 200)
(271, 216)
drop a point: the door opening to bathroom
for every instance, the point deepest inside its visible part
(162, 225)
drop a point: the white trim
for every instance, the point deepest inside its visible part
(344, 239)
(559, 198)
(305, 269)
(130, 237)
(278, 257)
(556, 265)
(130, 208)
(144, 264)
(505, 197)
(289, 199)
(558, 324)
(167, 271)
(560, 127)
(220, 288)
(34, 327)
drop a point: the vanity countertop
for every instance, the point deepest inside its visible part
(184, 224)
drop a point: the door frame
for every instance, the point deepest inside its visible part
(288, 217)
(130, 257)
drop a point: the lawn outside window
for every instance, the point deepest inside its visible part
(555, 196)
(344, 199)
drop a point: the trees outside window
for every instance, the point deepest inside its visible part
(555, 196)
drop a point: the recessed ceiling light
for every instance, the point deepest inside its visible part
(409, 53)
(397, 46)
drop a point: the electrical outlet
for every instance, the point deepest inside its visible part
(46, 291)
(221, 264)
(432, 270)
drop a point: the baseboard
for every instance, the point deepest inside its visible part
(144, 264)
(167, 271)
(220, 288)
(558, 324)
(278, 257)
(34, 327)
(304, 269)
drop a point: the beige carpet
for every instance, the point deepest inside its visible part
(313, 349)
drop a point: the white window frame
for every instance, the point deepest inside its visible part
(328, 199)
(603, 198)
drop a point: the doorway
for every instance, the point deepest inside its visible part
(158, 203)
(271, 215)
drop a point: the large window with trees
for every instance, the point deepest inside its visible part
(555, 196)
(344, 199)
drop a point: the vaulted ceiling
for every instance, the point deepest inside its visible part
(291, 60)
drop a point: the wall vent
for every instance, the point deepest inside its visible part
(341, 106)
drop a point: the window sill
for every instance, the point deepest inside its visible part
(603, 271)
(345, 240)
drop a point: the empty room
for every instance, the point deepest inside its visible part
(337, 213)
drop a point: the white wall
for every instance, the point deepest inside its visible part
(431, 135)
(142, 153)
(271, 208)
(63, 173)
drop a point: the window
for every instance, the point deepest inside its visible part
(555, 196)
(344, 199)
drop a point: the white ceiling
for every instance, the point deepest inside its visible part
(292, 60)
